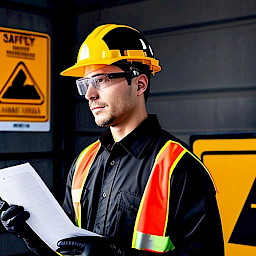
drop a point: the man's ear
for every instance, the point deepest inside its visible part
(142, 84)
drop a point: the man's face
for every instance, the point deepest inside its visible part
(115, 104)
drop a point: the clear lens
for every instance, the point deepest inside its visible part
(98, 82)
(102, 81)
(81, 86)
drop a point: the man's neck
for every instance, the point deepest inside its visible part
(121, 131)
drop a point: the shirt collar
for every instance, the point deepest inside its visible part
(136, 142)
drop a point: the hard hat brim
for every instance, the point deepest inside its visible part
(78, 70)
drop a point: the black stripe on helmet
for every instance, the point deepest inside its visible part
(123, 39)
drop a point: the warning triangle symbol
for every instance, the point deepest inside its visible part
(245, 229)
(21, 87)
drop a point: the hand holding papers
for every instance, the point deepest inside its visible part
(22, 185)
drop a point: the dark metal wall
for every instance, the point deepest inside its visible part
(207, 85)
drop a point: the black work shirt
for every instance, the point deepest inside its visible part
(116, 182)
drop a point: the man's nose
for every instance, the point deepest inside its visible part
(91, 93)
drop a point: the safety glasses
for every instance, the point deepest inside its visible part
(102, 81)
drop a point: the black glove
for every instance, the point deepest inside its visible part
(14, 220)
(3, 206)
(87, 246)
(96, 246)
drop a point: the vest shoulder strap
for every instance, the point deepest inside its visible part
(152, 217)
(82, 167)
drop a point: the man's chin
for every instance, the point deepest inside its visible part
(104, 122)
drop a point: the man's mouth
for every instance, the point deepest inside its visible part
(97, 107)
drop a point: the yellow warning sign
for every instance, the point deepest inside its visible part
(231, 160)
(25, 76)
(234, 176)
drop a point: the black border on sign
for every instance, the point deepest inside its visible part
(193, 138)
(48, 40)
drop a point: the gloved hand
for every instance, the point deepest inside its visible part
(14, 218)
(96, 246)
(88, 246)
(3, 206)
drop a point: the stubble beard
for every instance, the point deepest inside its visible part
(105, 122)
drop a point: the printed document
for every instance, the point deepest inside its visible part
(22, 185)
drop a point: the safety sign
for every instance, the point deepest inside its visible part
(24, 80)
(231, 160)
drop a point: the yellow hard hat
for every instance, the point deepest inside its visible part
(112, 43)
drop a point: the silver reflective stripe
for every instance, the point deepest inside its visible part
(153, 242)
(76, 195)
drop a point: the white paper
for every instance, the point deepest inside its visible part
(22, 185)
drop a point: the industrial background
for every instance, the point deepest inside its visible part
(207, 51)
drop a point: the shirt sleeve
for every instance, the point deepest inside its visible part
(194, 224)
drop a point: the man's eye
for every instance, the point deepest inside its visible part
(101, 80)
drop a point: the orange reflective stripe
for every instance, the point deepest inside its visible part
(83, 165)
(153, 212)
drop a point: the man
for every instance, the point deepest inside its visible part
(138, 187)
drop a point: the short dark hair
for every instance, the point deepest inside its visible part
(142, 68)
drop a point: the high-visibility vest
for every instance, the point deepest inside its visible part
(152, 217)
